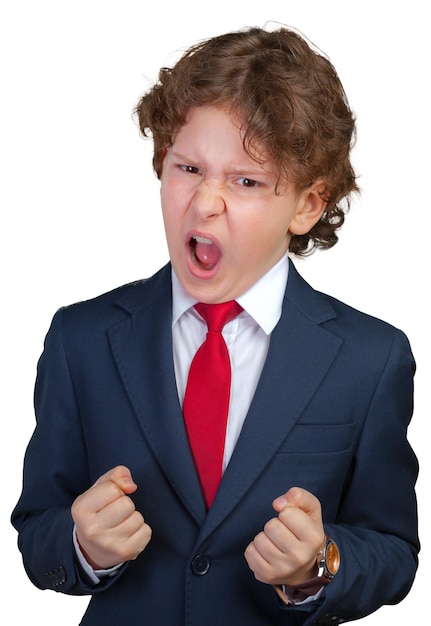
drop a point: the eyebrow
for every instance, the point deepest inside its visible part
(248, 169)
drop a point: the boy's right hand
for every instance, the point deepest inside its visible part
(108, 527)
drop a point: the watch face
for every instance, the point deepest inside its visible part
(332, 557)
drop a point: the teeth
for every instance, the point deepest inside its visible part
(202, 240)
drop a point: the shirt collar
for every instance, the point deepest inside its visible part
(263, 301)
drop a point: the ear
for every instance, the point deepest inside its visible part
(311, 205)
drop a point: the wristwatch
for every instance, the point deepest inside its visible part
(328, 563)
(328, 560)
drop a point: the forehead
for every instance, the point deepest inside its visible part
(213, 131)
(209, 122)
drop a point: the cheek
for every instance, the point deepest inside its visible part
(248, 244)
(170, 222)
(169, 203)
(175, 197)
(164, 194)
(265, 229)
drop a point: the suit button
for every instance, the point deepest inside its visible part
(57, 576)
(201, 564)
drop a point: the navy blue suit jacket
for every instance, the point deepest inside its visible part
(330, 415)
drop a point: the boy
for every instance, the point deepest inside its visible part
(308, 516)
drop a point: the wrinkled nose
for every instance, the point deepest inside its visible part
(208, 200)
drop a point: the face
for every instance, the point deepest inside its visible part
(225, 225)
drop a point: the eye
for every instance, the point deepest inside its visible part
(248, 183)
(189, 169)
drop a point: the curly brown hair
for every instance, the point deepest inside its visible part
(290, 100)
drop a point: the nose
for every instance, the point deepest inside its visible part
(208, 200)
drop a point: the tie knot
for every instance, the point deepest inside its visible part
(217, 315)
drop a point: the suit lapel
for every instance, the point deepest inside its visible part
(142, 348)
(300, 354)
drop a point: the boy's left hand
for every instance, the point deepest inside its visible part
(285, 552)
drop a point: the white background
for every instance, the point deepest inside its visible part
(80, 209)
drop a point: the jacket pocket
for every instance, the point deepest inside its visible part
(321, 438)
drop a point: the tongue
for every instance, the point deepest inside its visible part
(207, 253)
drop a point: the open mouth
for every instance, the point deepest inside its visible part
(205, 252)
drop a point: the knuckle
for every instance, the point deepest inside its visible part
(128, 505)
(148, 532)
(288, 514)
(248, 550)
(112, 490)
(116, 471)
(75, 510)
(259, 541)
(79, 506)
(271, 526)
(139, 518)
(144, 539)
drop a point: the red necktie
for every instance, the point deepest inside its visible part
(206, 401)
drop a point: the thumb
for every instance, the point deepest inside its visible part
(301, 498)
(120, 476)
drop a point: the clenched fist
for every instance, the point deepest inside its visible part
(286, 549)
(108, 527)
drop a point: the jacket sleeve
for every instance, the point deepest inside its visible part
(376, 525)
(55, 473)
